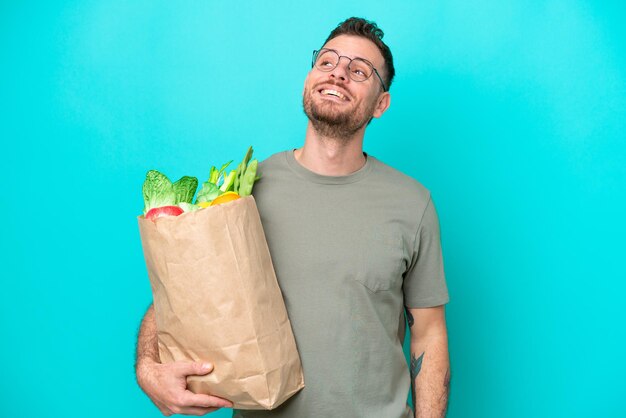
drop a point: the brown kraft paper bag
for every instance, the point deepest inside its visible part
(216, 299)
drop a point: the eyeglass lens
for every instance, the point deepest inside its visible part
(359, 69)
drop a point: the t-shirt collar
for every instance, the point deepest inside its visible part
(309, 175)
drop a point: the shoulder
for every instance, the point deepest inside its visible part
(274, 165)
(399, 183)
(275, 160)
(270, 171)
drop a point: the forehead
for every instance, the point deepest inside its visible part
(356, 46)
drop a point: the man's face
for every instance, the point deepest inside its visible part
(343, 114)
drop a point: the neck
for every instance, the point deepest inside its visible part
(330, 156)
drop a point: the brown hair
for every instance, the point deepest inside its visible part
(358, 26)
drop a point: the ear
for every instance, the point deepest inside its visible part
(384, 100)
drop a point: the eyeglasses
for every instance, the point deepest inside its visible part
(359, 69)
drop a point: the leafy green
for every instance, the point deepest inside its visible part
(247, 157)
(185, 188)
(208, 192)
(229, 182)
(240, 168)
(215, 174)
(157, 191)
(247, 181)
(245, 175)
(224, 167)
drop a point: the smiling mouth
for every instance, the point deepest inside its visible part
(334, 93)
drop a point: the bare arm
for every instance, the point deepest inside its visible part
(166, 384)
(430, 363)
(147, 343)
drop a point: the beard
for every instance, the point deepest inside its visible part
(333, 120)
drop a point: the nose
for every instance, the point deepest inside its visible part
(341, 71)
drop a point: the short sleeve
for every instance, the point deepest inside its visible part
(424, 281)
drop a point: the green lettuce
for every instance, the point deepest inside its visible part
(157, 191)
(185, 188)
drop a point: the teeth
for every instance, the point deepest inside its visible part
(333, 93)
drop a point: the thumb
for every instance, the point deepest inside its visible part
(195, 368)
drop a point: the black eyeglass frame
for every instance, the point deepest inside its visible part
(316, 53)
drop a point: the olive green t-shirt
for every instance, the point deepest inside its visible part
(350, 252)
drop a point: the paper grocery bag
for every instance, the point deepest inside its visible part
(216, 299)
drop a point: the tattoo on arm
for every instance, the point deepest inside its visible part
(416, 366)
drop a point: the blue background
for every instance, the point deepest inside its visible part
(510, 112)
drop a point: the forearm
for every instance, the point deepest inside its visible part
(147, 342)
(430, 376)
(166, 383)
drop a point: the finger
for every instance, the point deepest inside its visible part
(186, 368)
(205, 401)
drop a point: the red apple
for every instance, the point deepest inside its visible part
(163, 211)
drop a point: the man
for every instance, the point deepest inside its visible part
(355, 244)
